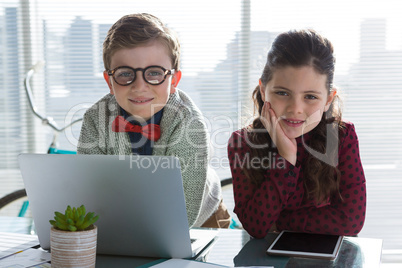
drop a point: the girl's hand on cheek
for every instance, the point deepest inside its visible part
(287, 147)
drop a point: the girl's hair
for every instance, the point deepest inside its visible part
(297, 49)
(135, 30)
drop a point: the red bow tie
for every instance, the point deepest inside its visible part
(151, 131)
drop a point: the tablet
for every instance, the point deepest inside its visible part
(306, 245)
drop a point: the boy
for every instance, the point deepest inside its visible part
(145, 113)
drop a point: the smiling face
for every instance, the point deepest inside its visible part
(141, 99)
(299, 98)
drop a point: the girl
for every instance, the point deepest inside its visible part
(297, 167)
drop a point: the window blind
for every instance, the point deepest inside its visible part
(224, 48)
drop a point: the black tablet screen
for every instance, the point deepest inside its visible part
(305, 242)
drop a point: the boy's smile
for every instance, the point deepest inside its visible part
(141, 99)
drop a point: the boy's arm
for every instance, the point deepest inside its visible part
(89, 141)
(189, 143)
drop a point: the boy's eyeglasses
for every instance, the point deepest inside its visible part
(154, 75)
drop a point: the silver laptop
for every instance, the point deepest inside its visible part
(139, 200)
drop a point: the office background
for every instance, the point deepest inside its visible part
(224, 47)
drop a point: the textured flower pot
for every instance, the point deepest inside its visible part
(73, 249)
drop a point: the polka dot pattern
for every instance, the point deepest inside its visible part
(280, 199)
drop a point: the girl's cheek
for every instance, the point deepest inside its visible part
(276, 111)
(269, 96)
(315, 116)
(274, 103)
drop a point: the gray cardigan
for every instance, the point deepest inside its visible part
(183, 134)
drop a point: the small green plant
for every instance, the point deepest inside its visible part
(74, 219)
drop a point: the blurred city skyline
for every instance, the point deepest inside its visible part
(73, 71)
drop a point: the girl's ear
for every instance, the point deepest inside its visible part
(175, 81)
(262, 90)
(331, 97)
(107, 79)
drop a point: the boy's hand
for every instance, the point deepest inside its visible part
(287, 147)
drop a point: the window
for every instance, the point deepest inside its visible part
(224, 46)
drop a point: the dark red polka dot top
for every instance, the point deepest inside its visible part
(280, 199)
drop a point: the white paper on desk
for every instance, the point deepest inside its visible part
(179, 263)
(12, 242)
(26, 258)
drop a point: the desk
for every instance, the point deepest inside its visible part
(235, 248)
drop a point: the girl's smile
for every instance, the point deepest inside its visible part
(293, 122)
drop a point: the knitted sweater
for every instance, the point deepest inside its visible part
(183, 134)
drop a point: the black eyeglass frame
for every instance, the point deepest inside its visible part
(166, 71)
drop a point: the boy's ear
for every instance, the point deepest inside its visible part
(107, 79)
(175, 81)
(262, 91)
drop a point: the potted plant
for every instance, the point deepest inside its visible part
(73, 238)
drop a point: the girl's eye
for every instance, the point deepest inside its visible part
(311, 97)
(281, 93)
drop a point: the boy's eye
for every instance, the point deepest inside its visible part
(125, 74)
(154, 73)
